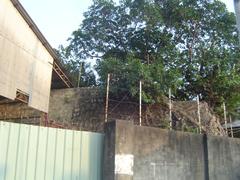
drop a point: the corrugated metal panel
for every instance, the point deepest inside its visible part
(40, 153)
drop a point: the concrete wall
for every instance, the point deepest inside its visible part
(224, 158)
(25, 64)
(144, 153)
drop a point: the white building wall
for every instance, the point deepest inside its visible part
(237, 10)
(25, 64)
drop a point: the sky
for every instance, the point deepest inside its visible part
(57, 19)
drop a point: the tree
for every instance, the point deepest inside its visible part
(188, 45)
(79, 70)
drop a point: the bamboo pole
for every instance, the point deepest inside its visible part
(230, 118)
(140, 102)
(199, 115)
(170, 108)
(225, 117)
(107, 97)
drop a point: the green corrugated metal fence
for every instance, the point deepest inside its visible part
(40, 153)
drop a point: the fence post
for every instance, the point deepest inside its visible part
(140, 102)
(225, 117)
(230, 118)
(199, 115)
(170, 108)
(107, 96)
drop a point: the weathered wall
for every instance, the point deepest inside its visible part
(152, 153)
(80, 105)
(224, 158)
(85, 106)
(17, 111)
(20, 113)
(25, 64)
(167, 155)
(142, 153)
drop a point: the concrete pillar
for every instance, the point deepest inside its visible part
(118, 151)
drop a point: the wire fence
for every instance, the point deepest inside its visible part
(192, 116)
(192, 120)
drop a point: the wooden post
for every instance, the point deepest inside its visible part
(107, 96)
(170, 108)
(140, 102)
(80, 73)
(225, 117)
(199, 115)
(230, 118)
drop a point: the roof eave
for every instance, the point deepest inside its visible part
(43, 40)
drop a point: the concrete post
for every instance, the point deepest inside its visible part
(118, 151)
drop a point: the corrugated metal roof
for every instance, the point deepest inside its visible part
(234, 124)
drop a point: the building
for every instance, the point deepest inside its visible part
(29, 67)
(237, 11)
(233, 128)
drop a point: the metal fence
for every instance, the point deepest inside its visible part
(33, 152)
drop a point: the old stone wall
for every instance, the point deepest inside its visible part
(140, 153)
(85, 108)
(82, 106)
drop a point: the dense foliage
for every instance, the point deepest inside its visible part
(79, 70)
(190, 46)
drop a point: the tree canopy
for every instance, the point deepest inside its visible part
(190, 46)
